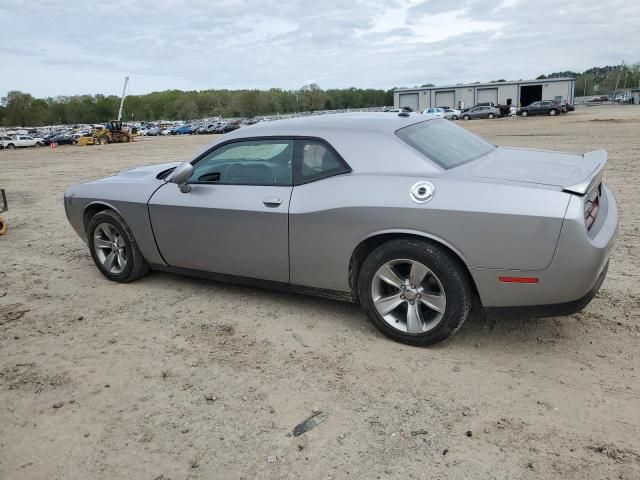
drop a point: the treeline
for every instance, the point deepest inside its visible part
(22, 109)
(602, 80)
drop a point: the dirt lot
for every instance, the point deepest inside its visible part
(176, 378)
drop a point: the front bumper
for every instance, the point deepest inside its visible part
(576, 271)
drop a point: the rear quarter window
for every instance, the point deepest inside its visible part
(444, 143)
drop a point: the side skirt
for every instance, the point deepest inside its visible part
(259, 283)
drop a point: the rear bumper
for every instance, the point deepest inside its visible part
(578, 265)
(552, 310)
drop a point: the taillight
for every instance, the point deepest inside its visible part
(592, 207)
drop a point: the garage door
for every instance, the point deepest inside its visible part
(488, 95)
(445, 99)
(409, 100)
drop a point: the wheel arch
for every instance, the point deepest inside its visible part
(374, 240)
(94, 208)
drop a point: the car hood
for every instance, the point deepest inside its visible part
(145, 173)
(566, 171)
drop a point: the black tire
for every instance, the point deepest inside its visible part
(454, 117)
(553, 112)
(11, 146)
(136, 266)
(491, 116)
(524, 114)
(466, 117)
(451, 274)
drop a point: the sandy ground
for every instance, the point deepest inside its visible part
(173, 377)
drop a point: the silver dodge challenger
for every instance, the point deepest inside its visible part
(413, 219)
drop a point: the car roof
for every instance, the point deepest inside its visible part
(317, 125)
(367, 141)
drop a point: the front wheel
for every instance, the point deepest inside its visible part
(454, 117)
(524, 114)
(466, 117)
(414, 291)
(114, 249)
(552, 112)
(11, 146)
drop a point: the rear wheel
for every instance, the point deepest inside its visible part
(114, 249)
(491, 115)
(11, 146)
(524, 114)
(454, 117)
(414, 291)
(103, 140)
(552, 112)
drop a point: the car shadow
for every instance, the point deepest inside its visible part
(480, 330)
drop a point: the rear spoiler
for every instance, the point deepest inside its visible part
(588, 174)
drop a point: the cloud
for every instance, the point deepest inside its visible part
(61, 48)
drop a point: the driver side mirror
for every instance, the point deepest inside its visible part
(181, 176)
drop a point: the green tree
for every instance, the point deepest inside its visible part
(312, 97)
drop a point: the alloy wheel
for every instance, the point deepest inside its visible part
(408, 296)
(110, 248)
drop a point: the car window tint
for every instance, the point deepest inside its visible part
(444, 142)
(251, 162)
(316, 160)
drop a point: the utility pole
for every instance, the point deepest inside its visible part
(124, 93)
(615, 91)
(584, 94)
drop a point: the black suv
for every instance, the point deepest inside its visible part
(542, 107)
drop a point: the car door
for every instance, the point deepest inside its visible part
(477, 112)
(534, 108)
(234, 220)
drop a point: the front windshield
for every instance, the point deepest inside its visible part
(445, 143)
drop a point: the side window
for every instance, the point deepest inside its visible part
(316, 160)
(250, 162)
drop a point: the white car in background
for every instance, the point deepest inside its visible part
(22, 141)
(436, 112)
(452, 113)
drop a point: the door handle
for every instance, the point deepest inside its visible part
(272, 201)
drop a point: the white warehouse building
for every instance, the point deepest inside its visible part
(517, 93)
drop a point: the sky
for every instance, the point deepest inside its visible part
(66, 47)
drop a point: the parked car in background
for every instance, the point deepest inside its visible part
(231, 126)
(313, 204)
(542, 107)
(436, 112)
(452, 113)
(61, 139)
(482, 104)
(3, 140)
(481, 112)
(207, 129)
(166, 131)
(182, 130)
(22, 141)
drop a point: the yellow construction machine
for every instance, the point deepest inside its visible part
(112, 133)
